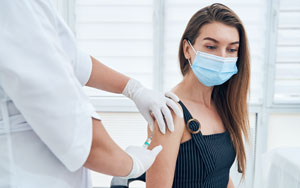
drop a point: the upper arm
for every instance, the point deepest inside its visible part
(161, 173)
(40, 81)
(80, 60)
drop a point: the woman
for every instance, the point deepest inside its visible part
(214, 61)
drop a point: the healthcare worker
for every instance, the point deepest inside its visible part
(50, 134)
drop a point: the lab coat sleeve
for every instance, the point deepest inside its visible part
(38, 77)
(81, 61)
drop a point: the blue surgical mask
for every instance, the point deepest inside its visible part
(213, 70)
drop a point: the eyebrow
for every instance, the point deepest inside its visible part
(214, 40)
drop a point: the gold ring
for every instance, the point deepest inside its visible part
(189, 129)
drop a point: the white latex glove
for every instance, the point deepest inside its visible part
(150, 101)
(172, 96)
(142, 159)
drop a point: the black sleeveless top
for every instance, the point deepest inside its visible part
(204, 161)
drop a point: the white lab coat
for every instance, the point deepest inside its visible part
(45, 117)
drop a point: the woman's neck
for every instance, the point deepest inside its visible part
(190, 88)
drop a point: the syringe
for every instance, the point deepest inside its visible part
(148, 141)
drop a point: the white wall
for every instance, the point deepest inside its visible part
(284, 130)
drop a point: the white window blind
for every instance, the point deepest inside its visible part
(119, 34)
(252, 14)
(287, 72)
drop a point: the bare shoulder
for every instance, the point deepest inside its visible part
(161, 173)
(178, 129)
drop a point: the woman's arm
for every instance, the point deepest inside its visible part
(230, 183)
(161, 172)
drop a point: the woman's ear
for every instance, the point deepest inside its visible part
(186, 49)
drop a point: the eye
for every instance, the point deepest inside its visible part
(211, 47)
(232, 50)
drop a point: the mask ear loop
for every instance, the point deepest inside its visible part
(192, 46)
(189, 62)
(193, 50)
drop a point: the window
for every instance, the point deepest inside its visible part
(287, 61)
(118, 33)
(141, 38)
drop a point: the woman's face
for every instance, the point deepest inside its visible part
(215, 38)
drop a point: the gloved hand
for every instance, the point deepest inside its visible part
(149, 101)
(142, 159)
(172, 96)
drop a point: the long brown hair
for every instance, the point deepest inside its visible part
(231, 97)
